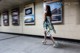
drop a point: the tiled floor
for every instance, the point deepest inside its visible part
(23, 44)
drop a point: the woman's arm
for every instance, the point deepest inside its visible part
(44, 16)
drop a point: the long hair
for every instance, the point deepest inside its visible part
(48, 10)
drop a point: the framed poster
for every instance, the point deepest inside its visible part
(15, 17)
(56, 11)
(6, 18)
(29, 18)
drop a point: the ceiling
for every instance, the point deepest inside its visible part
(5, 4)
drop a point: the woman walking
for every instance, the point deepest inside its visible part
(48, 27)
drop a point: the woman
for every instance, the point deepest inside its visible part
(48, 28)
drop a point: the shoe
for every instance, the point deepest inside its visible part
(55, 45)
(44, 42)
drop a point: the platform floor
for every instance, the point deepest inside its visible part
(24, 44)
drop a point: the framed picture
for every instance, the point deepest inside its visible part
(29, 18)
(15, 17)
(6, 18)
(56, 11)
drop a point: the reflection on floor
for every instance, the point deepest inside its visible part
(23, 44)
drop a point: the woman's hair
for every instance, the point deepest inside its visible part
(48, 10)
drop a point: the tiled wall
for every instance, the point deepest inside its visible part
(70, 28)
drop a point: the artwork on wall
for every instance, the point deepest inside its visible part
(15, 17)
(6, 18)
(29, 18)
(56, 10)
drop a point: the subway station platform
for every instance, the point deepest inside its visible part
(24, 44)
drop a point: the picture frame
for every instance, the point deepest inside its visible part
(6, 18)
(15, 17)
(29, 18)
(56, 11)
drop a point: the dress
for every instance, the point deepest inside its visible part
(48, 27)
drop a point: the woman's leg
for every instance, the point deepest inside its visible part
(52, 39)
(44, 42)
(55, 44)
(45, 35)
(50, 34)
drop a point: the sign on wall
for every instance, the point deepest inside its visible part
(56, 11)
(29, 18)
(15, 17)
(6, 18)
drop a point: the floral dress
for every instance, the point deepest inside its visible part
(48, 27)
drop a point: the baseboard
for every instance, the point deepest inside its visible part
(39, 36)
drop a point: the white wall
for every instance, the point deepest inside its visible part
(36, 29)
(70, 28)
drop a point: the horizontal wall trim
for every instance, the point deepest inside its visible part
(39, 36)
